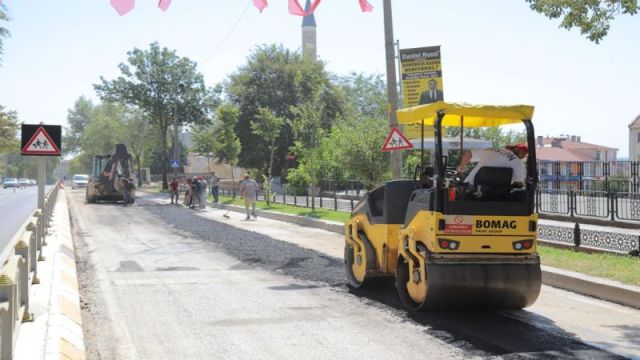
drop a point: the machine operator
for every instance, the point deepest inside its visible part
(509, 157)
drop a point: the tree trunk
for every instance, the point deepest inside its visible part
(139, 161)
(165, 157)
(313, 188)
(233, 184)
(269, 172)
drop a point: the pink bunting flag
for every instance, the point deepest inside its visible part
(260, 4)
(365, 6)
(164, 4)
(122, 6)
(296, 9)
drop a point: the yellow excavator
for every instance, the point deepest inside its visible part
(446, 243)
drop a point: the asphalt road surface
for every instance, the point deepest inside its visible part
(15, 208)
(160, 281)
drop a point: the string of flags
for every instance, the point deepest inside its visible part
(124, 6)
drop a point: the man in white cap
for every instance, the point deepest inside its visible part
(249, 192)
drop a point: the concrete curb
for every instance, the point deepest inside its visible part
(599, 288)
(57, 330)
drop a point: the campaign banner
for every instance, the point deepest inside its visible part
(421, 72)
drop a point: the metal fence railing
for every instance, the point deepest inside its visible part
(19, 271)
(610, 176)
(572, 204)
(615, 206)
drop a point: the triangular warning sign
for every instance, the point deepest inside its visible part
(396, 141)
(40, 144)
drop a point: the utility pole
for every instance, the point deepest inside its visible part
(176, 139)
(392, 91)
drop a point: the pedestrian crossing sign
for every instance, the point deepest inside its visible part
(42, 140)
(396, 141)
(175, 164)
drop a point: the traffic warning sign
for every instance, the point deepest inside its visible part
(43, 140)
(396, 141)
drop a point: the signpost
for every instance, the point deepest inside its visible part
(41, 140)
(174, 164)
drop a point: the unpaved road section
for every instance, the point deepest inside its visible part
(165, 282)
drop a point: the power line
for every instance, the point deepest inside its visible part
(228, 34)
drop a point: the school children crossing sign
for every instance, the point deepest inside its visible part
(396, 141)
(41, 140)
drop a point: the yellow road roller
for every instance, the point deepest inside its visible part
(451, 241)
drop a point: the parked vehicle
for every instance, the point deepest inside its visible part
(79, 181)
(10, 182)
(23, 182)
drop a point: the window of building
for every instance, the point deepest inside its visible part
(598, 156)
(638, 134)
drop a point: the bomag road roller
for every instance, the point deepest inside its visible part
(107, 176)
(446, 242)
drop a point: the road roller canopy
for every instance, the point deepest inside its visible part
(472, 115)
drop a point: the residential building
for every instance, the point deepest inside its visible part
(572, 148)
(634, 140)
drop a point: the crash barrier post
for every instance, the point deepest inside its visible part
(19, 270)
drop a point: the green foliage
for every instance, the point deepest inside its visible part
(592, 17)
(78, 118)
(204, 140)
(139, 137)
(4, 32)
(268, 126)
(498, 137)
(367, 93)
(166, 87)
(355, 147)
(8, 130)
(278, 79)
(227, 145)
(410, 163)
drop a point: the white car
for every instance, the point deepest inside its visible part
(79, 181)
(10, 183)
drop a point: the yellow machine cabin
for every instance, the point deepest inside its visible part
(449, 241)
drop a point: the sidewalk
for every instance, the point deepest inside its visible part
(56, 332)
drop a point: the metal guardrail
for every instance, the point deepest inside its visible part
(19, 271)
(615, 206)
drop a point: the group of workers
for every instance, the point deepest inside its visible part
(195, 190)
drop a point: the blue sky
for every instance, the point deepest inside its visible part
(494, 52)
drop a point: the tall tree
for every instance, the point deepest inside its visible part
(78, 118)
(139, 137)
(307, 126)
(277, 78)
(226, 143)
(368, 93)
(592, 17)
(204, 142)
(268, 126)
(358, 155)
(8, 130)
(166, 87)
(4, 32)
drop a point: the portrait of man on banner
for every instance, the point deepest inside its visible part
(431, 94)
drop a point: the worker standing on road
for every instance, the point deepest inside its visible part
(173, 187)
(249, 192)
(214, 183)
(125, 191)
(202, 192)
